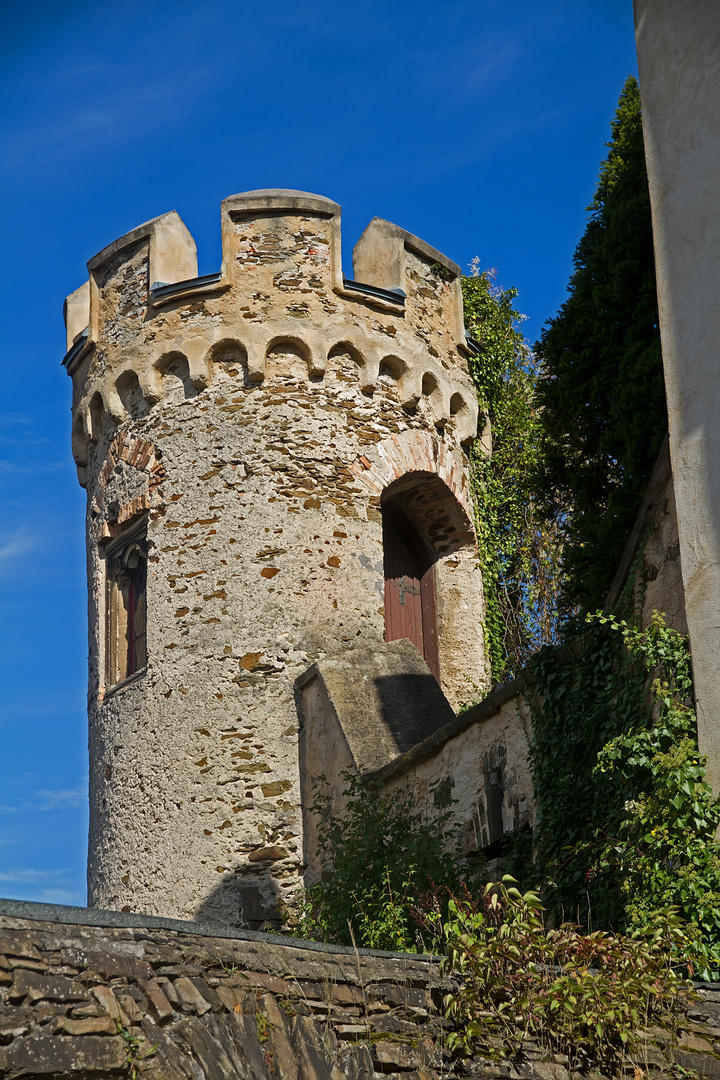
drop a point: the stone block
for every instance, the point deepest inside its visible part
(107, 1000)
(169, 990)
(214, 1061)
(209, 993)
(63, 1055)
(169, 1061)
(35, 987)
(279, 1038)
(109, 966)
(242, 1029)
(14, 1023)
(160, 1007)
(705, 1065)
(31, 965)
(91, 1025)
(229, 997)
(310, 1053)
(18, 944)
(705, 1012)
(548, 1070)
(393, 1025)
(354, 1064)
(271, 983)
(191, 1000)
(687, 1040)
(396, 1055)
(224, 1048)
(351, 1032)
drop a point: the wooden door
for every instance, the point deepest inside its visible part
(410, 605)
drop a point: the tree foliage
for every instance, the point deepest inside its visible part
(518, 550)
(601, 387)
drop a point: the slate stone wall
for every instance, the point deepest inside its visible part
(162, 1003)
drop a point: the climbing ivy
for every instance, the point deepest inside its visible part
(627, 821)
(519, 553)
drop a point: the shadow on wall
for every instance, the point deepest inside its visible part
(246, 900)
(411, 707)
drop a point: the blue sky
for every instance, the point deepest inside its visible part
(476, 124)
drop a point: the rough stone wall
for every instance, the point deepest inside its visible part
(171, 1003)
(256, 418)
(481, 759)
(88, 1001)
(663, 585)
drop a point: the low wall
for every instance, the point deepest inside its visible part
(380, 713)
(98, 995)
(89, 993)
(653, 547)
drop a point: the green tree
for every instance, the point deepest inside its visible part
(601, 387)
(518, 550)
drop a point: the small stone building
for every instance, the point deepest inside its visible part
(275, 459)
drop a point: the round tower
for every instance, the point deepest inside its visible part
(275, 462)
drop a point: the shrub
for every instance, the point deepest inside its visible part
(377, 859)
(586, 996)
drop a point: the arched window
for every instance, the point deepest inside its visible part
(410, 600)
(126, 604)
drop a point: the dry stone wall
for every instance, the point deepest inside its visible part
(174, 1001)
(255, 419)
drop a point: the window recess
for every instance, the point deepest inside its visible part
(126, 604)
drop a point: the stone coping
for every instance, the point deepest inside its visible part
(70, 915)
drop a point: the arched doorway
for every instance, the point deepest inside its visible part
(410, 598)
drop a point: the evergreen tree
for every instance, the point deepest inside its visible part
(601, 391)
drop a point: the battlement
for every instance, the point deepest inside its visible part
(145, 328)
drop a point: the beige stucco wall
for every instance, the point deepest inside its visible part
(257, 420)
(488, 766)
(678, 44)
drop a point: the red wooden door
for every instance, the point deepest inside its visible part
(410, 605)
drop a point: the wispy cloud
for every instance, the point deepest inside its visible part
(70, 797)
(32, 468)
(46, 799)
(15, 546)
(25, 876)
(61, 896)
(44, 886)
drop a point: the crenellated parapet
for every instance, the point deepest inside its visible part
(145, 330)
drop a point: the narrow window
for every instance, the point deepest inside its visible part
(410, 603)
(126, 604)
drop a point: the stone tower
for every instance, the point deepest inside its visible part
(275, 463)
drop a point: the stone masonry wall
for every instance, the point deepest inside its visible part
(257, 419)
(172, 1002)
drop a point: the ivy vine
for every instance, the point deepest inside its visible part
(627, 823)
(519, 553)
